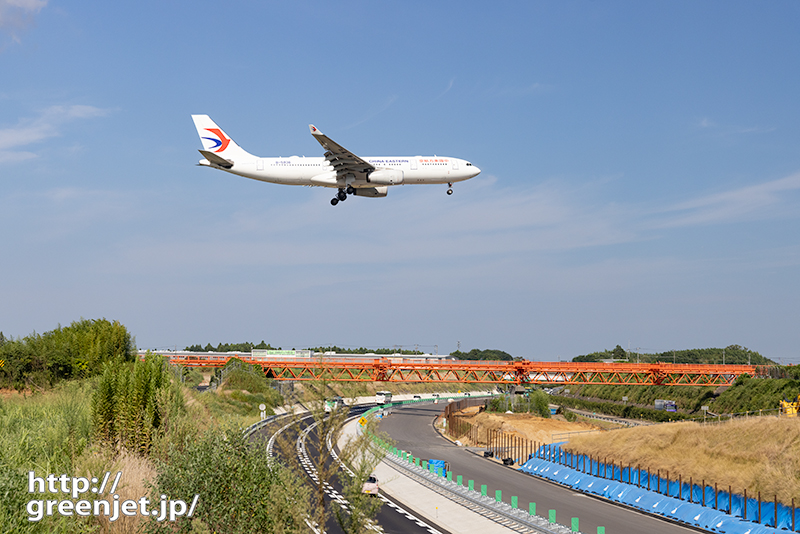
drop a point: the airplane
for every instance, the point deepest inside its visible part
(338, 168)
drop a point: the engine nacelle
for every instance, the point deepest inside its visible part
(381, 191)
(385, 177)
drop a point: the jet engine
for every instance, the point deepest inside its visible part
(371, 191)
(385, 177)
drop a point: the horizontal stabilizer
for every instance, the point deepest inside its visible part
(216, 159)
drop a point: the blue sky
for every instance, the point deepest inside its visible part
(640, 184)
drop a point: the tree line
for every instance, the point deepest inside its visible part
(488, 354)
(732, 354)
(39, 361)
(231, 347)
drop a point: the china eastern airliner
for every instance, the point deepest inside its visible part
(338, 167)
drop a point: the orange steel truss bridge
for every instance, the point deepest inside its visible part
(484, 372)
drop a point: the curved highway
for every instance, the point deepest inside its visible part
(393, 518)
(411, 428)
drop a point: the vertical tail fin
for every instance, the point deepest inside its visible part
(216, 141)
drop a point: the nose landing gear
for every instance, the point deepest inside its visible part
(450, 190)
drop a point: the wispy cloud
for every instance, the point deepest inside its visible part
(18, 15)
(711, 126)
(67, 212)
(48, 124)
(374, 112)
(765, 200)
(447, 89)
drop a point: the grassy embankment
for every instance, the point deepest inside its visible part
(761, 454)
(745, 395)
(51, 433)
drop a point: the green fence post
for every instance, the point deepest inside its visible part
(484, 490)
(514, 502)
(425, 465)
(449, 476)
(601, 530)
(532, 508)
(575, 525)
(439, 472)
(416, 460)
(552, 516)
(472, 485)
(498, 495)
(460, 480)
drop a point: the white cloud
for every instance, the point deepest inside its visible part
(764, 200)
(720, 129)
(16, 15)
(48, 124)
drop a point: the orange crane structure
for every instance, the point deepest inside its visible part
(393, 369)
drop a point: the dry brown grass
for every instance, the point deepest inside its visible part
(521, 425)
(136, 472)
(759, 454)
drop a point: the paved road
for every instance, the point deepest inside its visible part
(411, 428)
(392, 518)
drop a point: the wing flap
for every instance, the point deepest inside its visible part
(342, 160)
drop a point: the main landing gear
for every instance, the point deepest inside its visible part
(342, 194)
(450, 190)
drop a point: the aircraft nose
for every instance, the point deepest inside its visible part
(474, 172)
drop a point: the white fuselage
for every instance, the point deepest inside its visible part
(338, 168)
(301, 170)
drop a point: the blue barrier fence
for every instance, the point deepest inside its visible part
(696, 504)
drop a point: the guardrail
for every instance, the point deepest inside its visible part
(682, 499)
(479, 501)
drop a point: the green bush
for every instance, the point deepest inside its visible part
(75, 351)
(535, 401)
(241, 489)
(131, 405)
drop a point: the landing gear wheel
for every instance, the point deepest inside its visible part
(449, 191)
(334, 201)
(351, 190)
(341, 195)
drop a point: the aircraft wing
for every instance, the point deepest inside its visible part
(343, 160)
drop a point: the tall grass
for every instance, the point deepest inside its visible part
(47, 433)
(760, 454)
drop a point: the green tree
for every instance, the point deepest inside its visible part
(75, 351)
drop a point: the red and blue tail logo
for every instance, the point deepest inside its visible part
(220, 142)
